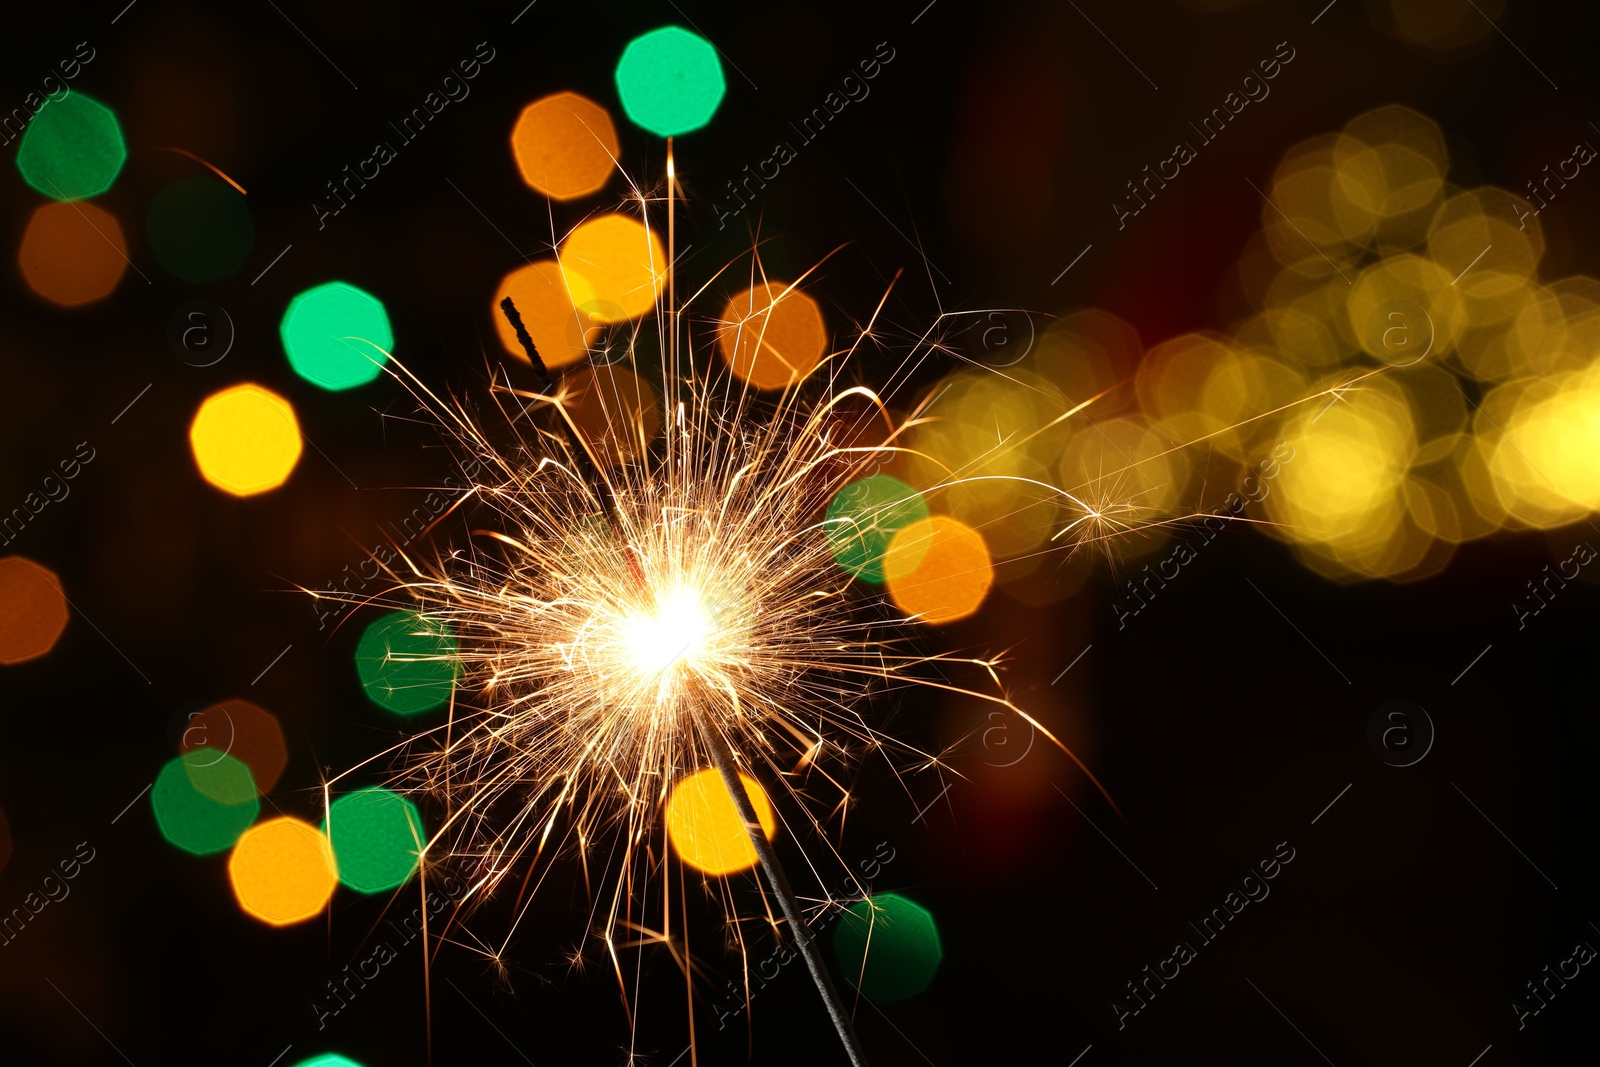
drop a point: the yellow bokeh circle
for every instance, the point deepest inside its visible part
(245, 439)
(623, 263)
(704, 825)
(938, 569)
(282, 871)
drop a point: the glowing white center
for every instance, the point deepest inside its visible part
(676, 631)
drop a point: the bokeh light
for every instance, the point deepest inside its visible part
(328, 1059)
(621, 261)
(772, 335)
(1404, 282)
(282, 871)
(209, 820)
(73, 149)
(219, 776)
(245, 439)
(377, 839)
(337, 336)
(565, 146)
(862, 518)
(1544, 466)
(1086, 354)
(1317, 208)
(705, 827)
(1341, 498)
(33, 610)
(1391, 162)
(955, 454)
(1439, 27)
(239, 729)
(616, 410)
(200, 229)
(670, 81)
(547, 297)
(407, 662)
(73, 253)
(887, 946)
(938, 569)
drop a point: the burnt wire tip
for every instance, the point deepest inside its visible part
(509, 309)
(580, 450)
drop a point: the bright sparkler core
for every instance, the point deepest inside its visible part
(637, 609)
(677, 631)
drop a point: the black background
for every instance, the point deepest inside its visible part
(983, 162)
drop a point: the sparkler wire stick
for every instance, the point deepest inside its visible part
(777, 879)
(580, 455)
(779, 883)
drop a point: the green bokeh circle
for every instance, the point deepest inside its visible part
(200, 229)
(377, 838)
(407, 662)
(887, 946)
(73, 149)
(203, 800)
(337, 336)
(670, 81)
(863, 518)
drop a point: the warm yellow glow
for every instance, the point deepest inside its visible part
(1341, 498)
(1546, 466)
(674, 632)
(245, 440)
(624, 263)
(282, 871)
(938, 569)
(704, 825)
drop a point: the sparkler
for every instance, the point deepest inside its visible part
(639, 610)
(716, 746)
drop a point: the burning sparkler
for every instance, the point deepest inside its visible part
(640, 611)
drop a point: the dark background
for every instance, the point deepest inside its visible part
(992, 146)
